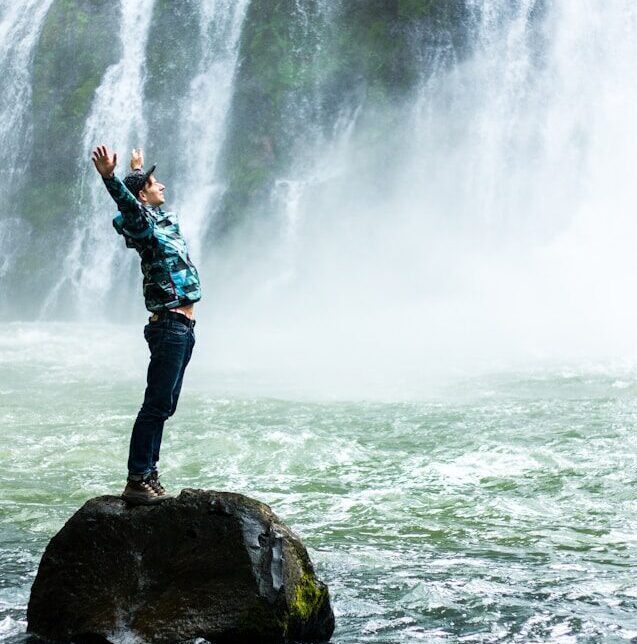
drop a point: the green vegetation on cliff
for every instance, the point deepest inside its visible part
(302, 64)
(76, 45)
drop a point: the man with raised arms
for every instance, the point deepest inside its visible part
(171, 287)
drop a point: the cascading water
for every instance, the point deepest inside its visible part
(98, 265)
(515, 156)
(204, 112)
(497, 140)
(20, 25)
(117, 119)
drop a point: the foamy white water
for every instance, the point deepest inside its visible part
(490, 508)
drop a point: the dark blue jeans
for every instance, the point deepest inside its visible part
(170, 342)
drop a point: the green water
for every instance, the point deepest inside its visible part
(493, 508)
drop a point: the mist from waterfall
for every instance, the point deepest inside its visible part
(482, 217)
(498, 230)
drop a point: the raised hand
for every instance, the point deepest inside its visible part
(104, 162)
(137, 159)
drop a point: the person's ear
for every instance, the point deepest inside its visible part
(141, 195)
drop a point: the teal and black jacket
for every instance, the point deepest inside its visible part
(170, 277)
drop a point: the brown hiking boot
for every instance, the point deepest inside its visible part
(155, 483)
(141, 493)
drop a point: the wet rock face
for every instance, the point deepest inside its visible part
(212, 565)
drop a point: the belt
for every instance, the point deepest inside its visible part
(172, 315)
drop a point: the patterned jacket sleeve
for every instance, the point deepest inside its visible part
(135, 219)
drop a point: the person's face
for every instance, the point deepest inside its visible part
(153, 192)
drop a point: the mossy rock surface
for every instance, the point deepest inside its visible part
(212, 565)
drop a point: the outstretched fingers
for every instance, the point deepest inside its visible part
(101, 152)
(103, 162)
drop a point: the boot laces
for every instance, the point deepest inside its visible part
(154, 483)
(148, 486)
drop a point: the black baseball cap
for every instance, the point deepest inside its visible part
(137, 179)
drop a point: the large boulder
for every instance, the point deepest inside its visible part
(212, 565)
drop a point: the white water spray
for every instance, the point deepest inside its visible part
(504, 230)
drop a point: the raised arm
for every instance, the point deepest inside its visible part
(131, 209)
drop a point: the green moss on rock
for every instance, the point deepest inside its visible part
(308, 597)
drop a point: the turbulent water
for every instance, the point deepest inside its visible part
(415, 227)
(490, 509)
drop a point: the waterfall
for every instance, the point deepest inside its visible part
(491, 216)
(371, 160)
(511, 140)
(98, 263)
(204, 111)
(20, 25)
(116, 119)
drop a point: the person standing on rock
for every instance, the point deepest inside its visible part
(171, 287)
